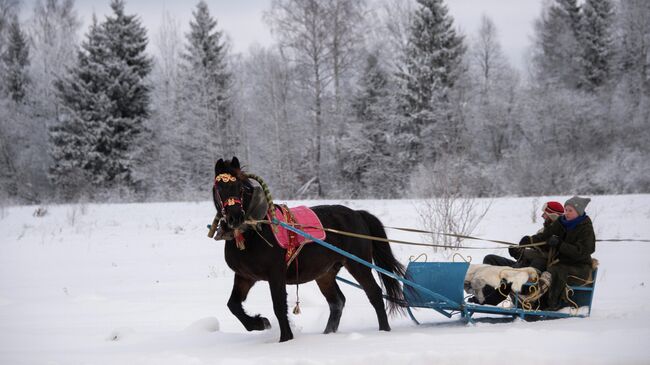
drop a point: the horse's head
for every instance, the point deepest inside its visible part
(228, 191)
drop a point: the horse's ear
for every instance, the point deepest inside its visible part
(220, 165)
(234, 163)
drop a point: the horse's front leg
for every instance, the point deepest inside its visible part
(240, 290)
(278, 286)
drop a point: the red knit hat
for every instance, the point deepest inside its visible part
(553, 209)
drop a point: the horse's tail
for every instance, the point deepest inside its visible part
(383, 257)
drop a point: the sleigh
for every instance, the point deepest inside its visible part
(444, 293)
(439, 286)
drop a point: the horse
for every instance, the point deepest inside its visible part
(262, 260)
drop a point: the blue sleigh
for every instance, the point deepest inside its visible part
(445, 280)
(439, 286)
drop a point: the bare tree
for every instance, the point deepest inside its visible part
(486, 53)
(168, 42)
(302, 30)
(448, 210)
(389, 29)
(270, 112)
(497, 85)
(53, 32)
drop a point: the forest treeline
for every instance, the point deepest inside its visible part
(354, 99)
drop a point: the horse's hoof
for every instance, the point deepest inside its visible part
(286, 338)
(259, 323)
(387, 328)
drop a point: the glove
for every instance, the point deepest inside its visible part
(553, 241)
(515, 252)
(524, 240)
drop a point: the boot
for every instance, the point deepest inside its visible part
(493, 296)
(536, 292)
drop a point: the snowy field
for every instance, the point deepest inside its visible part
(142, 284)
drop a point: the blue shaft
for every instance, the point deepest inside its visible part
(366, 263)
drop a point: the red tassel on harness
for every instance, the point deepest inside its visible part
(239, 239)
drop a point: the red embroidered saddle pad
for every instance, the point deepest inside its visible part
(302, 218)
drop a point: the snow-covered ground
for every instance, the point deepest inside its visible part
(142, 284)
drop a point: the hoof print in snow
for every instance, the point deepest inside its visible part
(119, 334)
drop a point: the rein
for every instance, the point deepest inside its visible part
(274, 224)
(388, 240)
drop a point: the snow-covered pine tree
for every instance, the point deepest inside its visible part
(433, 65)
(368, 150)
(129, 93)
(8, 10)
(557, 52)
(206, 97)
(75, 140)
(15, 62)
(104, 100)
(597, 42)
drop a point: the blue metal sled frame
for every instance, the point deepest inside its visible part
(439, 286)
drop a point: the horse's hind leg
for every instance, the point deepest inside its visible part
(335, 298)
(240, 290)
(363, 275)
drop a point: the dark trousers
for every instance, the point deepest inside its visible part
(532, 258)
(496, 260)
(560, 274)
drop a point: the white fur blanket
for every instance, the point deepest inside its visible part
(481, 275)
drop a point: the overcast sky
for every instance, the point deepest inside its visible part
(242, 20)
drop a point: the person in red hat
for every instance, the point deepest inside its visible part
(571, 241)
(533, 256)
(536, 257)
(551, 211)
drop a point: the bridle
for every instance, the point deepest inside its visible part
(230, 201)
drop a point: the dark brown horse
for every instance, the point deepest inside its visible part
(262, 261)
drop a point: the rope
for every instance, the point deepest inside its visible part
(269, 198)
(381, 239)
(585, 282)
(452, 235)
(262, 237)
(406, 229)
(387, 240)
(622, 240)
